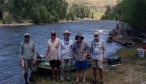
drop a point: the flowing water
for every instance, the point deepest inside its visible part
(10, 38)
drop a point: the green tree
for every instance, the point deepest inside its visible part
(54, 16)
(35, 15)
(1, 8)
(131, 11)
(92, 15)
(70, 16)
(40, 11)
(44, 14)
(80, 10)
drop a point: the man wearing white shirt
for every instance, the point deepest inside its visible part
(66, 55)
(98, 57)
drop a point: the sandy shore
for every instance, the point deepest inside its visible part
(16, 24)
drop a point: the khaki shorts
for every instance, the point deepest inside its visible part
(97, 64)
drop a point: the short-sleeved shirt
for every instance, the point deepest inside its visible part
(66, 49)
(79, 51)
(54, 49)
(27, 50)
(97, 50)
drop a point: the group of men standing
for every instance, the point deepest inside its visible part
(61, 53)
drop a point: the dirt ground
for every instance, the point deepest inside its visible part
(131, 71)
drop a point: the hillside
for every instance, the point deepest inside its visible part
(95, 3)
(96, 6)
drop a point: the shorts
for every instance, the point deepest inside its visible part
(81, 65)
(97, 64)
(55, 63)
(28, 65)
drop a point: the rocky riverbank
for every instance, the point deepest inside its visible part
(124, 35)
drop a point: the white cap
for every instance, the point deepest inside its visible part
(26, 34)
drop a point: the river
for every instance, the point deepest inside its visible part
(10, 38)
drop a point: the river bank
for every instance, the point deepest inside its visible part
(25, 23)
(131, 71)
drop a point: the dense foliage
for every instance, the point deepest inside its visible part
(131, 11)
(79, 11)
(39, 11)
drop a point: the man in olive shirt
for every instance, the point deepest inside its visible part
(27, 52)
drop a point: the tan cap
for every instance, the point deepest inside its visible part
(66, 32)
(96, 33)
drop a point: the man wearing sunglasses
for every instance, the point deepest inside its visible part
(27, 52)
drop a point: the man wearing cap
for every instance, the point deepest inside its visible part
(80, 54)
(66, 55)
(53, 54)
(27, 52)
(98, 57)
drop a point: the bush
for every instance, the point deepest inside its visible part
(7, 19)
(70, 16)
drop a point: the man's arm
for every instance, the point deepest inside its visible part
(73, 50)
(33, 51)
(104, 51)
(91, 49)
(47, 51)
(21, 50)
(60, 50)
(34, 54)
(21, 55)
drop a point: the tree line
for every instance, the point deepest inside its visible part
(40, 11)
(131, 11)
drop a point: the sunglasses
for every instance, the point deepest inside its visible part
(96, 35)
(26, 36)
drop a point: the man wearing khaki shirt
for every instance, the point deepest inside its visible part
(53, 54)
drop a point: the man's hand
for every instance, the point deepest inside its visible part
(59, 58)
(21, 62)
(104, 60)
(85, 54)
(47, 58)
(33, 62)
